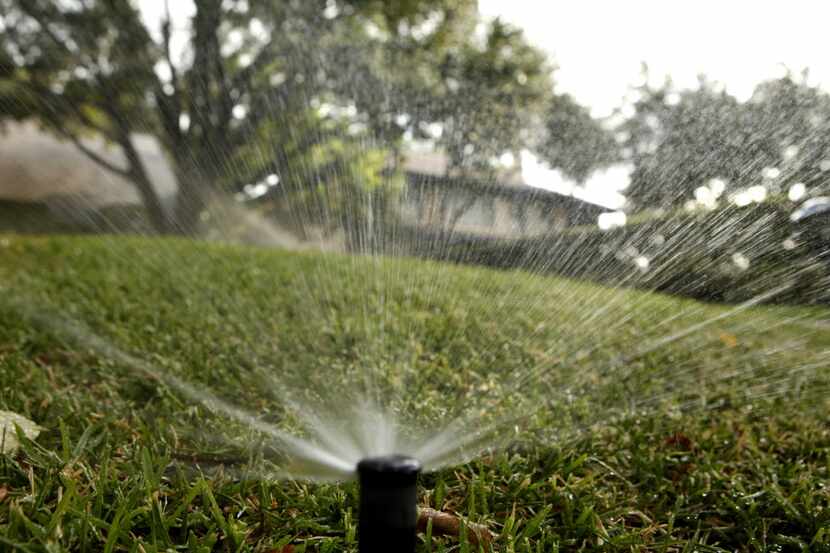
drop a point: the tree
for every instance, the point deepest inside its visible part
(93, 67)
(387, 64)
(245, 99)
(575, 142)
(678, 141)
(490, 96)
(789, 123)
(81, 71)
(372, 71)
(475, 90)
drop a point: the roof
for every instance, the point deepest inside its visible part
(519, 193)
(429, 168)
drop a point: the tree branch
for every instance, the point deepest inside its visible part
(29, 10)
(50, 99)
(168, 55)
(170, 106)
(53, 119)
(109, 166)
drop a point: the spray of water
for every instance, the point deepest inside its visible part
(395, 346)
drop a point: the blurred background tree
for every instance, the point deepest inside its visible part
(260, 88)
(574, 141)
(81, 71)
(679, 140)
(96, 69)
(789, 119)
(490, 97)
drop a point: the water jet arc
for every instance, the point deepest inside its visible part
(388, 504)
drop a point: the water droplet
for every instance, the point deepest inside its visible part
(717, 186)
(790, 152)
(331, 10)
(277, 79)
(757, 193)
(797, 191)
(607, 221)
(740, 261)
(507, 159)
(255, 190)
(245, 59)
(770, 172)
(672, 99)
(239, 111)
(184, 121)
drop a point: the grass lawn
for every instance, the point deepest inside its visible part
(717, 439)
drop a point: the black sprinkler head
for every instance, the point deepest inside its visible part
(388, 504)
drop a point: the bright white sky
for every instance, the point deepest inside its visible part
(599, 46)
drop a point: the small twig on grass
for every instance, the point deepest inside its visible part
(445, 524)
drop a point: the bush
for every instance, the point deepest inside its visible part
(730, 255)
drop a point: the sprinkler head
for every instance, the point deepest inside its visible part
(388, 504)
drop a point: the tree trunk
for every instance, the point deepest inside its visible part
(138, 175)
(191, 199)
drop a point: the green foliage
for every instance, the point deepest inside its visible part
(678, 140)
(82, 69)
(686, 253)
(73, 67)
(574, 141)
(489, 97)
(327, 176)
(482, 84)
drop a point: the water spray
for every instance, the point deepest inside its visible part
(388, 504)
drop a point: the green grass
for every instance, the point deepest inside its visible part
(121, 465)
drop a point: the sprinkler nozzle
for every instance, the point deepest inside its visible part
(388, 504)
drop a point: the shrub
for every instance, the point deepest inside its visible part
(731, 255)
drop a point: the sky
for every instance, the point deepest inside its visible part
(599, 47)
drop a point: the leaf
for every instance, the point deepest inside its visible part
(9, 443)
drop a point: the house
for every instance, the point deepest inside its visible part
(504, 207)
(38, 169)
